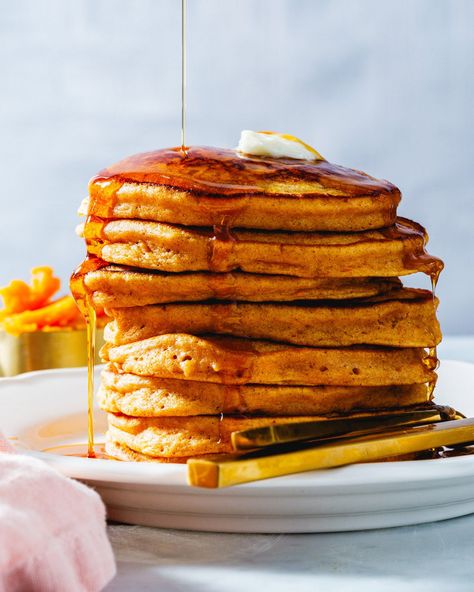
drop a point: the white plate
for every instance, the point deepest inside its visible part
(45, 409)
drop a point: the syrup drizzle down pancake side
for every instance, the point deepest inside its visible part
(87, 309)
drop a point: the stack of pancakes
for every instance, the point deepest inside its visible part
(248, 291)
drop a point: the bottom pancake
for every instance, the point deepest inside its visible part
(143, 396)
(172, 437)
(124, 453)
(117, 451)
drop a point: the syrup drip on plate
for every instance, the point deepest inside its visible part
(80, 451)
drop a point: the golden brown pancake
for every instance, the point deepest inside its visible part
(187, 436)
(212, 186)
(116, 286)
(144, 396)
(121, 452)
(404, 318)
(394, 251)
(231, 360)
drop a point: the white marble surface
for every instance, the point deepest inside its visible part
(434, 557)
(426, 558)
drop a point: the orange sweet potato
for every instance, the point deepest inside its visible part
(19, 296)
(61, 313)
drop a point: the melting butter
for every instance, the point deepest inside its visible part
(276, 145)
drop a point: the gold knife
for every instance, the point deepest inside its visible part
(226, 471)
(256, 438)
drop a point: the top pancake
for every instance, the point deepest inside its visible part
(213, 186)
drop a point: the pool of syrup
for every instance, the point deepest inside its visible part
(80, 450)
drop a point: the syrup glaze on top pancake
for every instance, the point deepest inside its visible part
(221, 172)
(219, 187)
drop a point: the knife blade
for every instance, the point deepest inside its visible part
(227, 471)
(256, 438)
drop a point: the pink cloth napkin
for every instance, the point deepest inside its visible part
(52, 530)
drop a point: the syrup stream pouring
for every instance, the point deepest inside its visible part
(183, 76)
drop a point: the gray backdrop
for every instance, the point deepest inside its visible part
(386, 87)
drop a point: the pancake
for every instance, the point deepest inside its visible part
(118, 451)
(404, 318)
(231, 360)
(116, 286)
(394, 251)
(143, 396)
(186, 436)
(121, 452)
(210, 185)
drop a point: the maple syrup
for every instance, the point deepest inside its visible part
(86, 307)
(222, 287)
(233, 401)
(221, 172)
(415, 258)
(103, 196)
(183, 77)
(80, 451)
(221, 247)
(94, 228)
(433, 351)
(419, 260)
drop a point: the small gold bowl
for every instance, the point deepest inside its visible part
(65, 348)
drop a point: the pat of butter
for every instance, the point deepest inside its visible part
(275, 145)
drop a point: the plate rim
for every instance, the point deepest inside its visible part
(170, 476)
